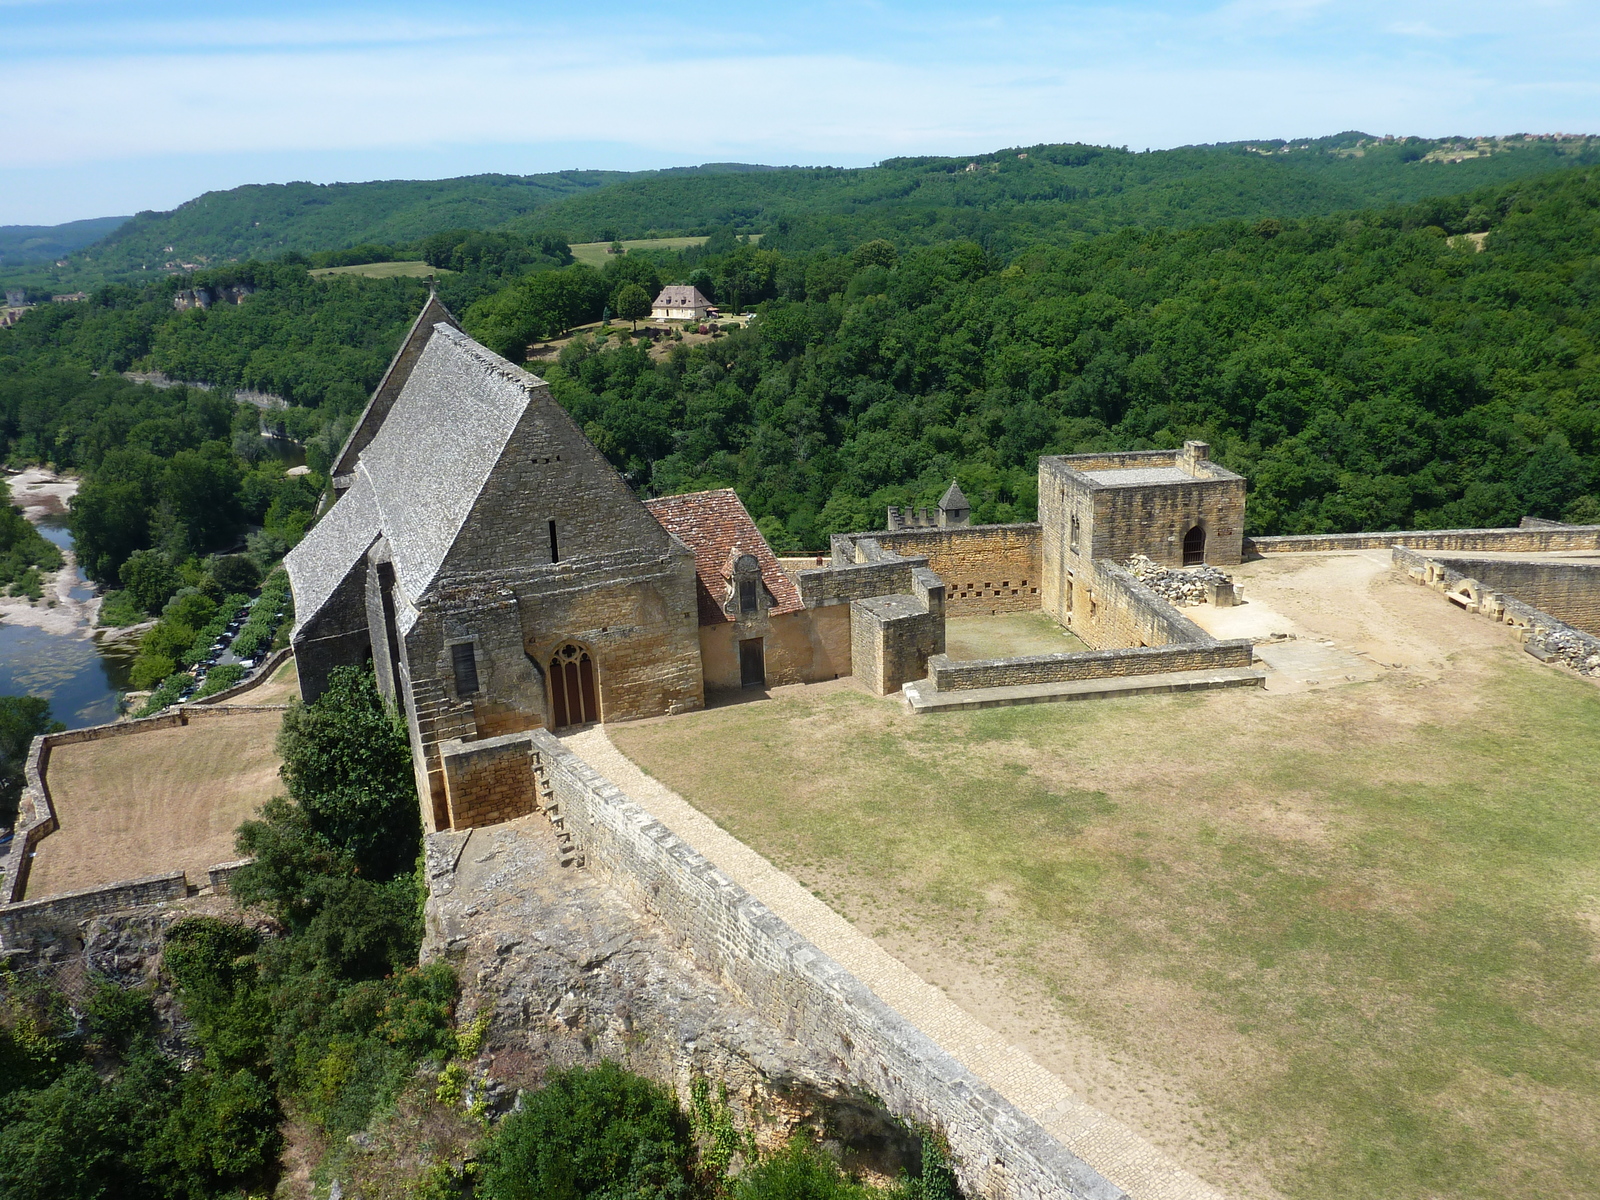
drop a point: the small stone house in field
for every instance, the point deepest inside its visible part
(755, 630)
(680, 302)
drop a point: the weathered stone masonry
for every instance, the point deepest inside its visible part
(1002, 1154)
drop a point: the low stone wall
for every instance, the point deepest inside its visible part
(487, 781)
(952, 675)
(1531, 540)
(1568, 591)
(18, 920)
(1001, 1153)
(1541, 632)
(822, 586)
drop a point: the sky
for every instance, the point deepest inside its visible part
(112, 108)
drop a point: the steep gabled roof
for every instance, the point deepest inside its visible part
(953, 499)
(713, 525)
(418, 478)
(394, 379)
(681, 295)
(335, 544)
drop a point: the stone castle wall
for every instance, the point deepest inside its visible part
(1568, 591)
(1002, 1154)
(1532, 540)
(987, 569)
(489, 781)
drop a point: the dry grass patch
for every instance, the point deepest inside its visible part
(1351, 922)
(156, 801)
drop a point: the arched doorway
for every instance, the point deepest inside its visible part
(1194, 546)
(573, 698)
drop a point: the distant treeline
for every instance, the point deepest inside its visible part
(1002, 199)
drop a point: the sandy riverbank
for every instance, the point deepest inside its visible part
(39, 492)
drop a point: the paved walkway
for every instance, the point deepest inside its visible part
(1103, 1142)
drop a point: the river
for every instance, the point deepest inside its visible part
(50, 651)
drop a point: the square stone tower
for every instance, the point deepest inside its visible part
(1176, 507)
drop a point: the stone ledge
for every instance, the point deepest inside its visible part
(921, 698)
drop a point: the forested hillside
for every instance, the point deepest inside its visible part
(1366, 371)
(1055, 194)
(1004, 200)
(22, 244)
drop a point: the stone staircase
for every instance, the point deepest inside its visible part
(570, 854)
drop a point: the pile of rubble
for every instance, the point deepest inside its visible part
(1571, 647)
(1184, 587)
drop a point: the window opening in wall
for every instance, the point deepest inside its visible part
(555, 551)
(1194, 546)
(752, 663)
(1072, 540)
(573, 697)
(464, 662)
(747, 595)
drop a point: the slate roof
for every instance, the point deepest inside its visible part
(681, 295)
(389, 387)
(953, 498)
(712, 525)
(417, 479)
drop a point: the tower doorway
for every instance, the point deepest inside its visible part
(1194, 546)
(573, 698)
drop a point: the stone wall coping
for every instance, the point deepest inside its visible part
(732, 923)
(1563, 537)
(1516, 612)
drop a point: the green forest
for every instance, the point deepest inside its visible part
(1003, 199)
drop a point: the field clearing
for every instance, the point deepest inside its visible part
(384, 270)
(164, 800)
(1313, 941)
(1010, 635)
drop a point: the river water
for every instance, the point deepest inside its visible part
(82, 680)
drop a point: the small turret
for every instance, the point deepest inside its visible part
(954, 511)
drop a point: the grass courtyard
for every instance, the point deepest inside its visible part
(155, 801)
(1335, 943)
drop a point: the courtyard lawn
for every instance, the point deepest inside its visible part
(155, 801)
(1009, 635)
(1354, 930)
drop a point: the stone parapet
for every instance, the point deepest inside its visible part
(951, 675)
(17, 921)
(1000, 1152)
(1532, 540)
(489, 781)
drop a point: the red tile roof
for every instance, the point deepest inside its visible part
(713, 524)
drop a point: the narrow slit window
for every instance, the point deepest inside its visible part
(465, 663)
(747, 595)
(555, 550)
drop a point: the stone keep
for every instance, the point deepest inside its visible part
(1173, 506)
(497, 570)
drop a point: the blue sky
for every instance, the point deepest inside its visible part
(117, 107)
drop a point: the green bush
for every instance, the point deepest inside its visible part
(799, 1172)
(166, 695)
(600, 1133)
(118, 609)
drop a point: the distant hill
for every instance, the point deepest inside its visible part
(23, 244)
(1054, 193)
(1006, 198)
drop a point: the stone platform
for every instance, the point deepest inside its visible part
(920, 696)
